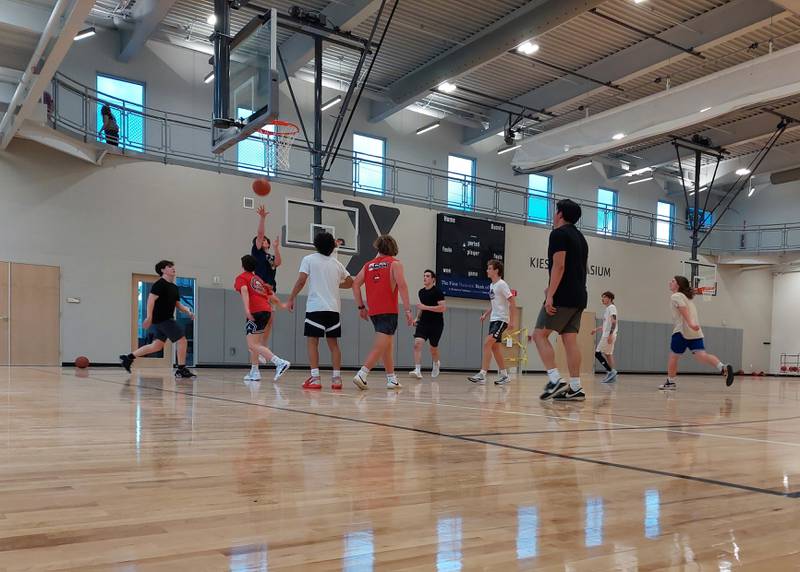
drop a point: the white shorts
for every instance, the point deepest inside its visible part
(605, 348)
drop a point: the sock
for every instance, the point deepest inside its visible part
(552, 375)
(276, 361)
(720, 366)
(417, 367)
(575, 383)
(315, 372)
(131, 356)
(183, 366)
(672, 379)
(336, 373)
(437, 362)
(482, 372)
(503, 372)
(603, 361)
(363, 372)
(254, 368)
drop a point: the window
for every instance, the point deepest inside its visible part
(539, 189)
(461, 182)
(705, 219)
(257, 153)
(606, 211)
(126, 100)
(665, 212)
(368, 164)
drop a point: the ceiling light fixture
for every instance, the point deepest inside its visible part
(636, 182)
(212, 19)
(85, 33)
(331, 103)
(209, 77)
(704, 109)
(427, 128)
(750, 193)
(638, 172)
(618, 136)
(528, 48)
(507, 149)
(742, 172)
(447, 87)
(581, 166)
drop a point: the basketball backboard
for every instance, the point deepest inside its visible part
(705, 277)
(251, 84)
(304, 219)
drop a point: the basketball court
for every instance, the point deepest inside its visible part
(197, 152)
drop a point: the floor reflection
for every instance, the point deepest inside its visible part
(448, 555)
(593, 527)
(359, 551)
(527, 532)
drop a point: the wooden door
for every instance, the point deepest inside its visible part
(164, 360)
(5, 338)
(35, 316)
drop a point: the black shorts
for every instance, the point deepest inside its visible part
(430, 332)
(384, 323)
(496, 329)
(258, 323)
(167, 330)
(322, 324)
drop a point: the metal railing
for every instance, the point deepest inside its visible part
(177, 138)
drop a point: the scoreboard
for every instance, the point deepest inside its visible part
(463, 247)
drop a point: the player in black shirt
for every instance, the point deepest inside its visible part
(161, 303)
(266, 265)
(429, 323)
(565, 300)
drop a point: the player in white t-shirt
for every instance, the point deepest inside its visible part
(501, 316)
(605, 347)
(325, 276)
(686, 334)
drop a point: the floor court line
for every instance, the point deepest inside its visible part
(704, 480)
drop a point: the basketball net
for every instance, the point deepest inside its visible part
(282, 133)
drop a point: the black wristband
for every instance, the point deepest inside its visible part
(362, 307)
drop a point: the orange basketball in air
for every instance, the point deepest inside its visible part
(261, 187)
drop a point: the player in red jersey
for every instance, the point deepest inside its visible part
(383, 278)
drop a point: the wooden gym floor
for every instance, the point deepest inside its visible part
(145, 473)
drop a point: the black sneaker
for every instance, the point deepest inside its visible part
(570, 395)
(668, 386)
(553, 389)
(126, 360)
(184, 373)
(728, 371)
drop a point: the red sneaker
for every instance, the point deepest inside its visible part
(312, 383)
(336, 383)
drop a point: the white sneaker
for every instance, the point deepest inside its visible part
(282, 368)
(393, 384)
(610, 376)
(435, 370)
(253, 376)
(262, 360)
(478, 378)
(415, 373)
(361, 382)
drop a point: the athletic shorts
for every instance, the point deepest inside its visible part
(564, 321)
(604, 347)
(384, 323)
(496, 329)
(258, 323)
(167, 330)
(678, 344)
(323, 324)
(430, 332)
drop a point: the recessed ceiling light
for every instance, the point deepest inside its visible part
(742, 172)
(527, 47)
(212, 19)
(507, 149)
(427, 128)
(581, 166)
(639, 1)
(618, 136)
(447, 87)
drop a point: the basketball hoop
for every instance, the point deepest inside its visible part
(283, 134)
(706, 291)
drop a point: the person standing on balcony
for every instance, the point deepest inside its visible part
(110, 127)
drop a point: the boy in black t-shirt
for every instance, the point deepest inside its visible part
(266, 264)
(429, 323)
(565, 300)
(160, 320)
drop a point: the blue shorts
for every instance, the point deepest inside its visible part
(679, 344)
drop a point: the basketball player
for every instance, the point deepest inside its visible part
(429, 323)
(164, 297)
(383, 278)
(325, 275)
(256, 297)
(605, 347)
(565, 300)
(503, 313)
(266, 263)
(686, 334)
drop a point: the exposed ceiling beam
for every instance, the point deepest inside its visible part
(147, 15)
(716, 26)
(298, 50)
(791, 5)
(23, 16)
(530, 21)
(59, 33)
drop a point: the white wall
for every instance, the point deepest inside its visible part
(785, 318)
(101, 224)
